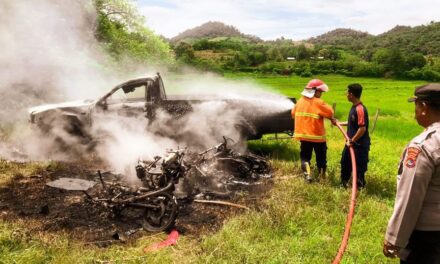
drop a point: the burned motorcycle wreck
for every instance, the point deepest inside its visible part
(178, 178)
(153, 202)
(221, 170)
(218, 170)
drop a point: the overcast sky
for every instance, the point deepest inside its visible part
(271, 19)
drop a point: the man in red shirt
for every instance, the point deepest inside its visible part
(309, 113)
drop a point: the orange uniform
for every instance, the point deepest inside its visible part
(309, 116)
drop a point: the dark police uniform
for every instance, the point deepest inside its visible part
(415, 224)
(357, 117)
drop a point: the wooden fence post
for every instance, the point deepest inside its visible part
(375, 120)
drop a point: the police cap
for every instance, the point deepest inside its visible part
(428, 92)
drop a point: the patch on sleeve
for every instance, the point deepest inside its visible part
(411, 157)
(360, 114)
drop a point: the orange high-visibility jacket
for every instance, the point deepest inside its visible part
(309, 116)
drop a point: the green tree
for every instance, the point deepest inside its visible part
(302, 53)
(415, 60)
(392, 59)
(324, 53)
(202, 44)
(184, 51)
(121, 29)
(430, 60)
(240, 59)
(366, 54)
(256, 58)
(333, 54)
(381, 56)
(396, 61)
(274, 54)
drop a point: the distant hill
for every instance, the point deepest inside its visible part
(212, 30)
(396, 30)
(340, 37)
(424, 39)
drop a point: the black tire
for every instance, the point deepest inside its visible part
(163, 217)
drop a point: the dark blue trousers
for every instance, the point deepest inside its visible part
(361, 153)
(425, 248)
(320, 149)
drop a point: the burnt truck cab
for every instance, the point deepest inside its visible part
(143, 97)
(133, 98)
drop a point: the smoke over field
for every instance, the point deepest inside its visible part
(50, 54)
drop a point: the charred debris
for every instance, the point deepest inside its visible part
(168, 183)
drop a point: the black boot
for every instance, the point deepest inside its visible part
(321, 174)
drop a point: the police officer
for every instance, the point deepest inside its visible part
(413, 232)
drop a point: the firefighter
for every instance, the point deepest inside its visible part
(413, 232)
(309, 113)
(357, 131)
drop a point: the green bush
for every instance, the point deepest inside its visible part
(246, 69)
(306, 73)
(273, 67)
(431, 75)
(368, 69)
(324, 67)
(207, 65)
(414, 74)
(344, 72)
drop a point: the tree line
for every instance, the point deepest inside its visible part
(121, 30)
(287, 57)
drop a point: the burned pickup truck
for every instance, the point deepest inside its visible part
(145, 97)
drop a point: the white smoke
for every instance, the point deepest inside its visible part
(49, 54)
(125, 140)
(219, 113)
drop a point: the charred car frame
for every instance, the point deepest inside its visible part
(143, 97)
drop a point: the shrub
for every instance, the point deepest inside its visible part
(306, 73)
(415, 74)
(368, 69)
(431, 75)
(324, 66)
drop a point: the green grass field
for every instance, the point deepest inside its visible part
(297, 223)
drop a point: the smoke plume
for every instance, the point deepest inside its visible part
(49, 54)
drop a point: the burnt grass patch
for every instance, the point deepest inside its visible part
(46, 209)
